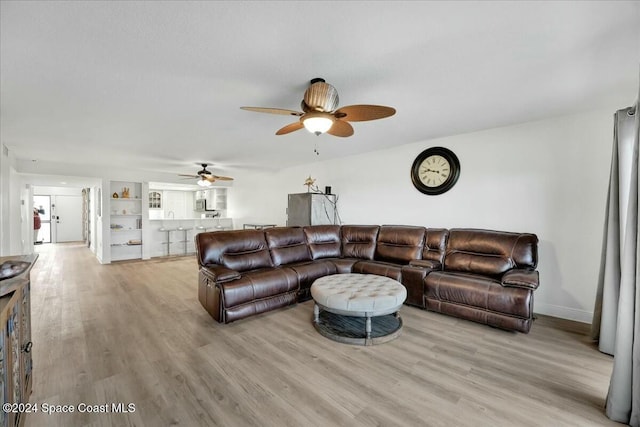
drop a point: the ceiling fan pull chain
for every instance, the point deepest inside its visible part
(315, 149)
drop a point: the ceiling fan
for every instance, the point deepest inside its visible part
(319, 113)
(205, 177)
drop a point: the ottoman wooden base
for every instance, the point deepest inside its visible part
(359, 309)
(352, 330)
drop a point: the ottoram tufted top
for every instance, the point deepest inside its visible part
(359, 293)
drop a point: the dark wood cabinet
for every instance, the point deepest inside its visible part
(15, 343)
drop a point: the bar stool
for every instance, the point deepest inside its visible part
(168, 242)
(184, 240)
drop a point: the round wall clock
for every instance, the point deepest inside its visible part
(435, 170)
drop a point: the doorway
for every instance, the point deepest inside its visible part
(61, 218)
(43, 205)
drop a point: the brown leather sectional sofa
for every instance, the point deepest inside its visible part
(480, 275)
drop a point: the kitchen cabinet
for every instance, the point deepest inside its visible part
(155, 200)
(215, 199)
(178, 204)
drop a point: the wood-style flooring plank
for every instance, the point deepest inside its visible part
(134, 332)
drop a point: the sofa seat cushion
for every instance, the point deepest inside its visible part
(478, 291)
(380, 268)
(308, 272)
(344, 265)
(259, 284)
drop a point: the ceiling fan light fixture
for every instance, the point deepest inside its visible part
(204, 183)
(317, 123)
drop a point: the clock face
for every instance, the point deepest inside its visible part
(435, 170)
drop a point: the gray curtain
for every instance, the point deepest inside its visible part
(616, 322)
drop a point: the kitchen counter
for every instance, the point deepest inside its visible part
(171, 237)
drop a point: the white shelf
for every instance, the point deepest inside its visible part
(131, 221)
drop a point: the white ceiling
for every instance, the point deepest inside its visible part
(157, 86)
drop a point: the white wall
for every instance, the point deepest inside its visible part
(93, 195)
(5, 199)
(39, 190)
(101, 219)
(17, 215)
(548, 177)
(15, 210)
(257, 198)
(26, 234)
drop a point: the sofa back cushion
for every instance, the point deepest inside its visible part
(359, 241)
(239, 250)
(435, 244)
(399, 243)
(490, 252)
(287, 245)
(323, 241)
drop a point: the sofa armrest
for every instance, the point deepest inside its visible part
(426, 263)
(520, 278)
(220, 274)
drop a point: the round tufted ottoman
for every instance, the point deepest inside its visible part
(345, 305)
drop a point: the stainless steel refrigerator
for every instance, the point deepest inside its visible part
(311, 209)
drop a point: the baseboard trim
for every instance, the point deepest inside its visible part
(568, 313)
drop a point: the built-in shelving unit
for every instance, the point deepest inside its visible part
(126, 220)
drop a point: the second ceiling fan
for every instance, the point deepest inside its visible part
(205, 177)
(319, 113)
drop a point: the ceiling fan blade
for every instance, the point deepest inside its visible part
(362, 113)
(340, 128)
(273, 111)
(221, 178)
(290, 128)
(189, 176)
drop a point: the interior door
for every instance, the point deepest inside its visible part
(68, 218)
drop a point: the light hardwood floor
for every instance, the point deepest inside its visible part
(135, 332)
